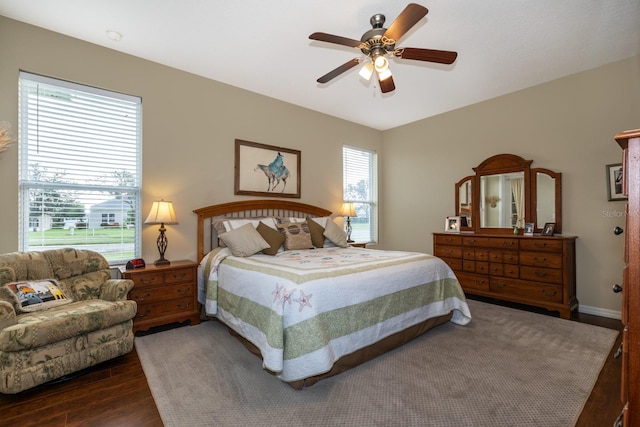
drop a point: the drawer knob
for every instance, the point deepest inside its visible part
(549, 293)
(617, 231)
(616, 288)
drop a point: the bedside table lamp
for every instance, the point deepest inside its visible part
(348, 210)
(162, 213)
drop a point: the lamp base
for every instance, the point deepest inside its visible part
(162, 262)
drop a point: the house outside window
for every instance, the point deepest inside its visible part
(360, 186)
(79, 168)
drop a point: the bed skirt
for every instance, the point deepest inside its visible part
(360, 356)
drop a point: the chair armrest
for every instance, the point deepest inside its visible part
(7, 314)
(116, 289)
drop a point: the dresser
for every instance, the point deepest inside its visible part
(164, 294)
(630, 143)
(534, 270)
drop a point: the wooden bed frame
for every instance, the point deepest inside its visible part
(207, 240)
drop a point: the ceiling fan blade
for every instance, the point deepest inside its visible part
(430, 55)
(341, 69)
(387, 85)
(330, 38)
(407, 19)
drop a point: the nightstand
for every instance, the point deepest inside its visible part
(358, 245)
(165, 294)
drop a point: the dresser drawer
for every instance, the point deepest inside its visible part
(528, 290)
(454, 263)
(473, 281)
(451, 240)
(490, 242)
(503, 256)
(160, 293)
(546, 245)
(538, 274)
(448, 251)
(478, 254)
(541, 259)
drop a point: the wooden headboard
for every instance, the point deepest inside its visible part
(249, 209)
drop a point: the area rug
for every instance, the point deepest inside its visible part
(506, 368)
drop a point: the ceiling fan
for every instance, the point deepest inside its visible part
(379, 42)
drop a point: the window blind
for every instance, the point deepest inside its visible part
(79, 168)
(360, 181)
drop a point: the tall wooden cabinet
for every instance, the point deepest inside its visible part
(629, 141)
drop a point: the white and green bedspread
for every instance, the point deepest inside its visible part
(306, 309)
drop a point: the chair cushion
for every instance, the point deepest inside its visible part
(59, 323)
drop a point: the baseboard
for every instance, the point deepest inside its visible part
(597, 311)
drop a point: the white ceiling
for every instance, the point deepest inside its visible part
(263, 46)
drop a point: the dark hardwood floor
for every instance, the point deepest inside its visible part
(116, 393)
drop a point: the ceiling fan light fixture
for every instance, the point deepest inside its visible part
(366, 71)
(381, 63)
(384, 74)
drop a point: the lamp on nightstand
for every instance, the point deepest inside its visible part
(348, 210)
(162, 213)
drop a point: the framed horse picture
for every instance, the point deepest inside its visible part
(266, 170)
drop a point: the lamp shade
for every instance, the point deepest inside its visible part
(348, 209)
(162, 213)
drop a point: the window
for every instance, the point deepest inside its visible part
(360, 186)
(79, 168)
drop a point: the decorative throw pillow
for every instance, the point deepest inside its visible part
(244, 241)
(232, 224)
(297, 235)
(336, 234)
(274, 238)
(35, 295)
(317, 238)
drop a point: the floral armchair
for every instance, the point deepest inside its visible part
(60, 312)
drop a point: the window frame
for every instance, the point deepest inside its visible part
(115, 121)
(368, 203)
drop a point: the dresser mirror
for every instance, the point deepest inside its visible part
(506, 192)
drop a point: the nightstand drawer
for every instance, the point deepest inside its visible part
(179, 275)
(161, 293)
(164, 308)
(147, 279)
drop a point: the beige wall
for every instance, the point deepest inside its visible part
(190, 124)
(566, 125)
(189, 127)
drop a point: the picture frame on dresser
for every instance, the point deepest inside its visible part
(549, 229)
(614, 182)
(529, 227)
(452, 224)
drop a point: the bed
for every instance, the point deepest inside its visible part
(313, 313)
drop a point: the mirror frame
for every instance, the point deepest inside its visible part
(509, 163)
(558, 197)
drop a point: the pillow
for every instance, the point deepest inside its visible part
(317, 238)
(336, 234)
(297, 235)
(322, 220)
(244, 241)
(35, 295)
(232, 224)
(274, 238)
